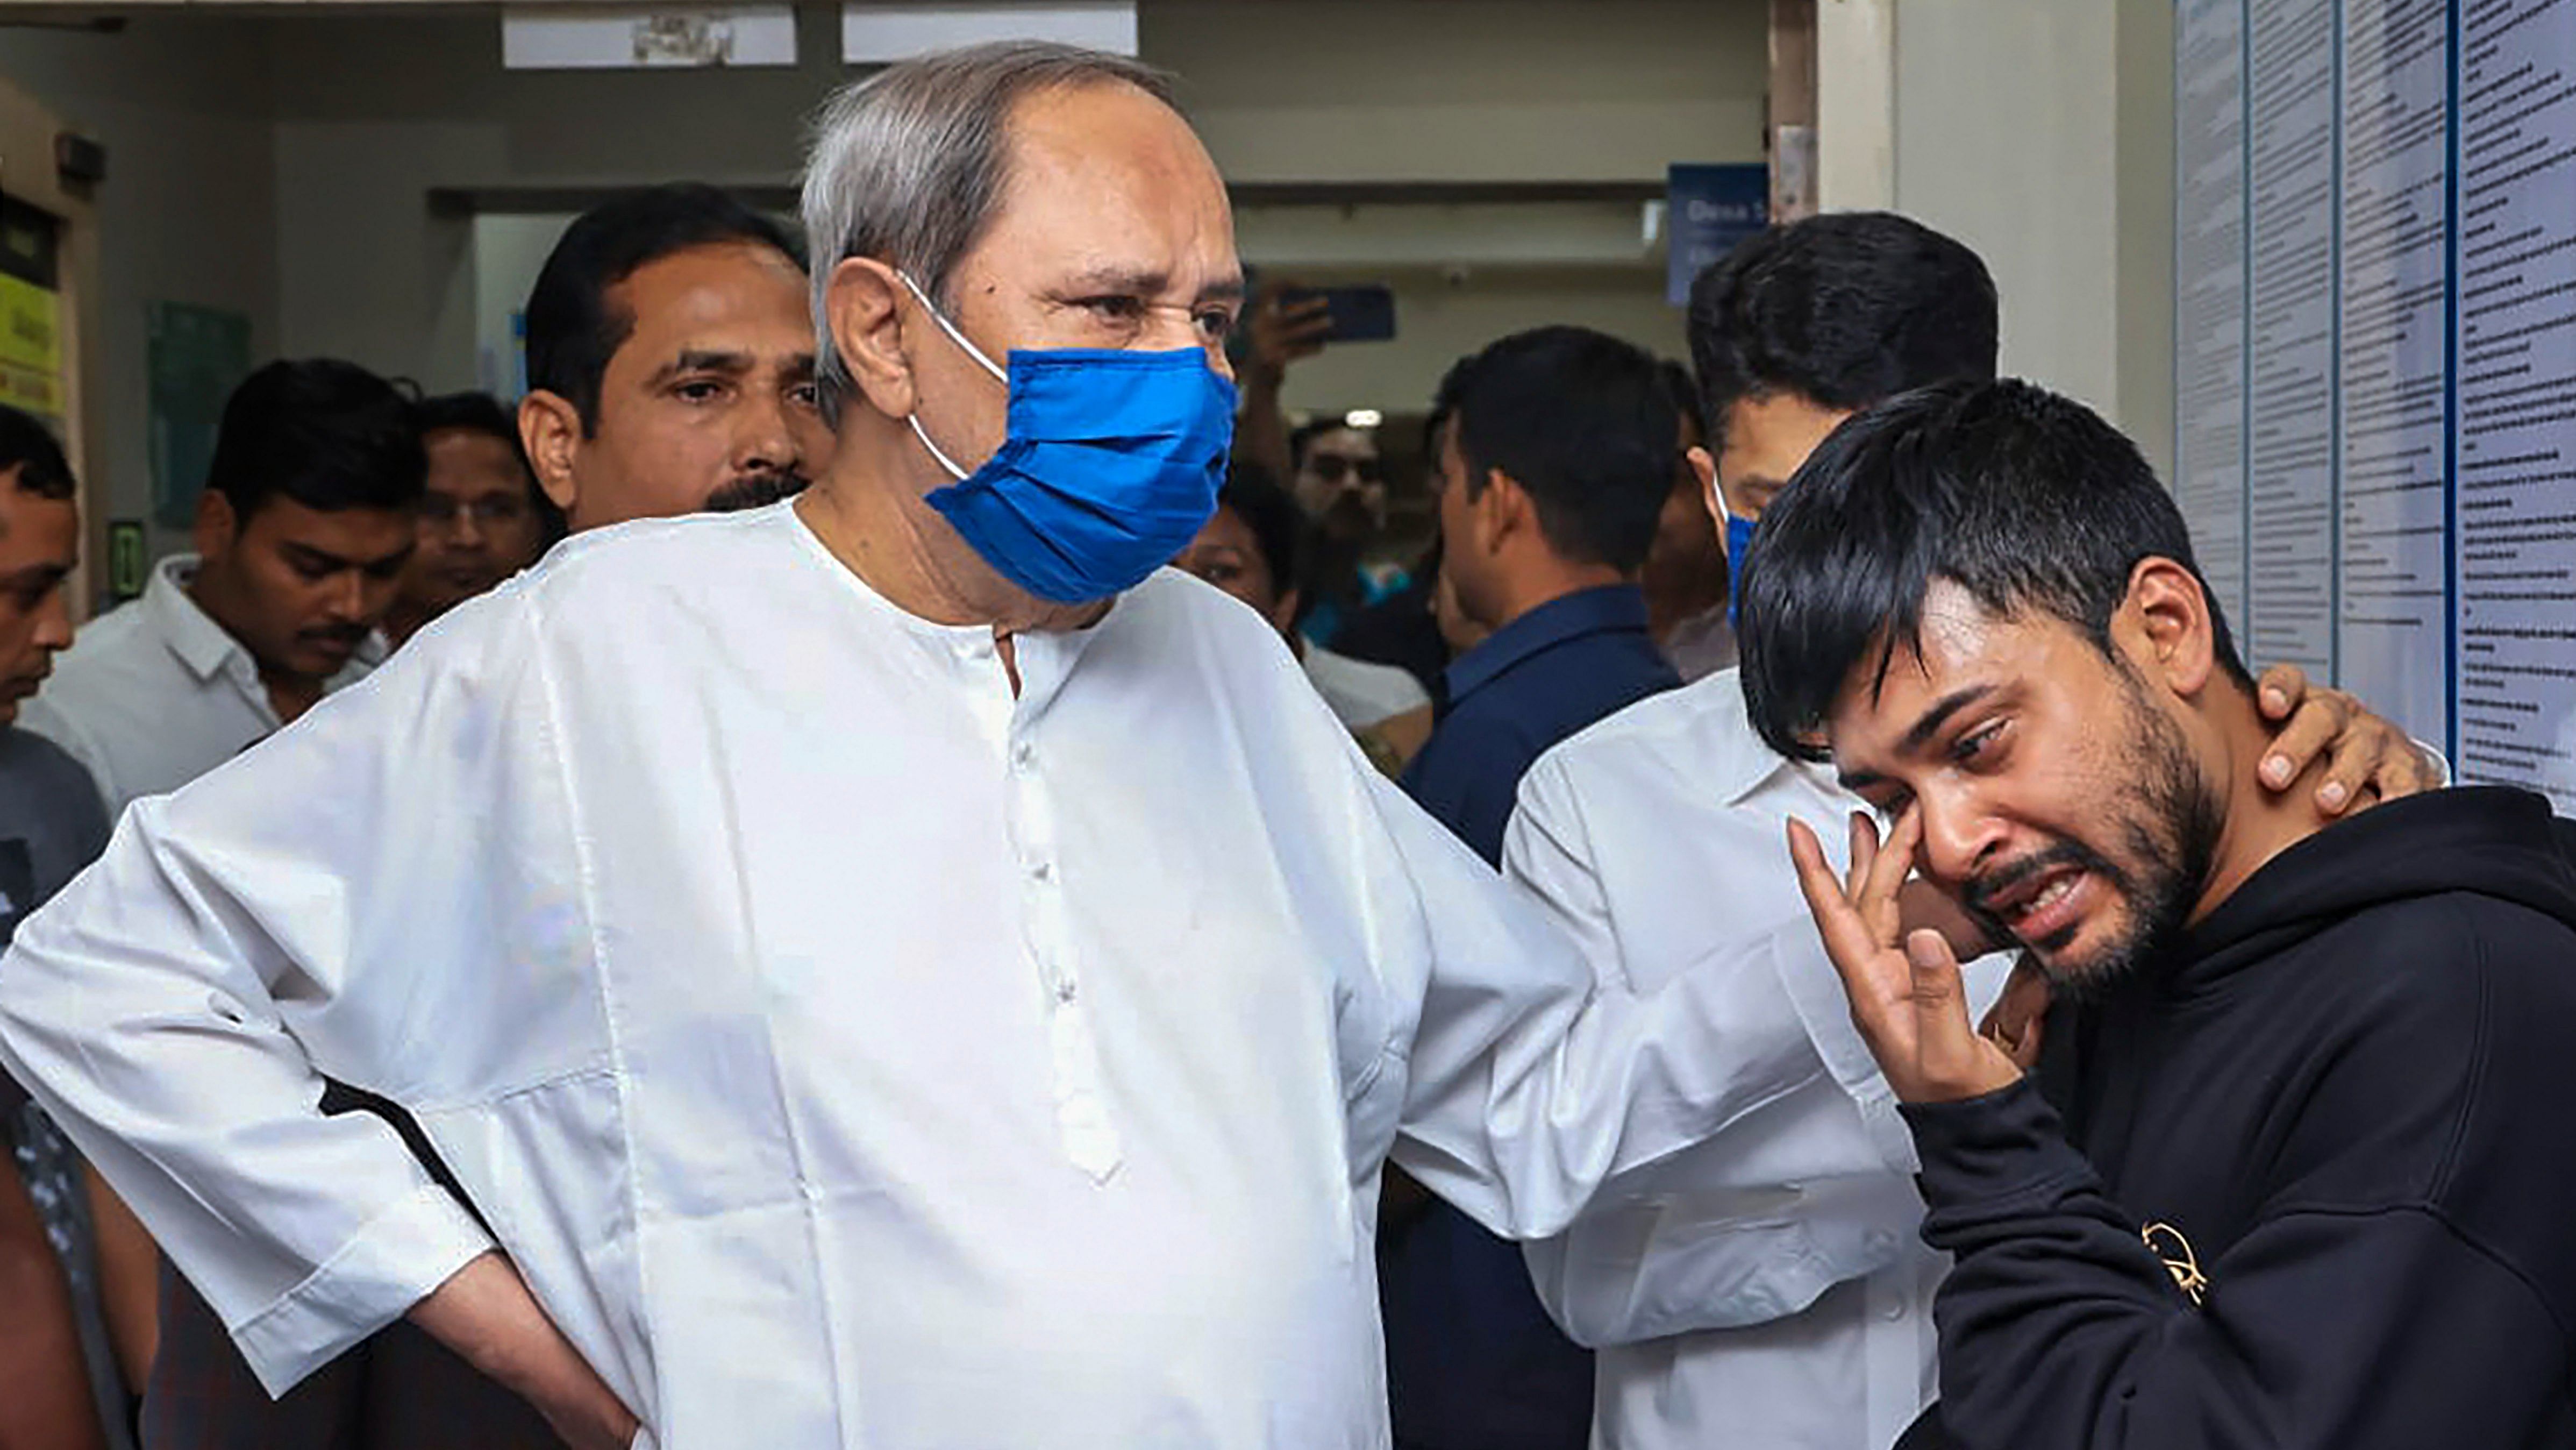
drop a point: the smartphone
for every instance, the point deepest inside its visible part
(1365, 313)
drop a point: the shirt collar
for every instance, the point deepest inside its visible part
(204, 646)
(1603, 608)
(1738, 762)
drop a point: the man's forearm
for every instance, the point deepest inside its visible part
(485, 1313)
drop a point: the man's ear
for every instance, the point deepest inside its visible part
(217, 526)
(551, 432)
(863, 313)
(1702, 464)
(1502, 510)
(2175, 631)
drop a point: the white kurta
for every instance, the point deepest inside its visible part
(1776, 1294)
(850, 1052)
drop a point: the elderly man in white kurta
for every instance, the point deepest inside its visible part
(890, 970)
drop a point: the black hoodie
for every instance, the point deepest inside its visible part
(2316, 1180)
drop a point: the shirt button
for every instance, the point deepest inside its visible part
(1042, 870)
(1894, 1310)
(1024, 755)
(1880, 1241)
(1064, 992)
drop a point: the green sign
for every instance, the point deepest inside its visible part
(195, 357)
(125, 560)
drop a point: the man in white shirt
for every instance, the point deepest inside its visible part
(1785, 1300)
(891, 968)
(302, 534)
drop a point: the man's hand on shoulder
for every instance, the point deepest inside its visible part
(2367, 759)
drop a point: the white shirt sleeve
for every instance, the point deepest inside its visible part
(1527, 1087)
(372, 894)
(1738, 1230)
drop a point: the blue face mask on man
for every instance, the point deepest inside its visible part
(1739, 547)
(1109, 468)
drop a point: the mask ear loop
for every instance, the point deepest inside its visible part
(946, 326)
(971, 350)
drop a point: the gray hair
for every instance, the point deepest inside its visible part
(907, 166)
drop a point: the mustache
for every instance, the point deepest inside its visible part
(343, 634)
(756, 490)
(1978, 896)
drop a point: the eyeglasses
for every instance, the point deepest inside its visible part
(1333, 468)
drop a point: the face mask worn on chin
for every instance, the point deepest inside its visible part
(1739, 547)
(1110, 465)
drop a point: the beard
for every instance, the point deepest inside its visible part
(755, 490)
(2168, 819)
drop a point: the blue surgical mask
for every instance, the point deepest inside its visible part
(1739, 547)
(1110, 465)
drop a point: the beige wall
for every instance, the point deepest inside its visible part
(375, 110)
(2040, 132)
(189, 210)
(280, 164)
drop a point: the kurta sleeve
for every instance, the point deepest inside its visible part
(374, 894)
(1526, 1084)
(1769, 1211)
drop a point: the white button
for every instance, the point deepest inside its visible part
(1880, 1241)
(1064, 992)
(1894, 1311)
(1024, 755)
(1042, 870)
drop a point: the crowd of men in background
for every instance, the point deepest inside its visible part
(1548, 677)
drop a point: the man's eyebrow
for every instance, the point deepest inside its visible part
(33, 574)
(1147, 282)
(703, 360)
(1939, 715)
(1117, 278)
(1859, 782)
(318, 558)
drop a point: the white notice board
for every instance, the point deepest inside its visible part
(2376, 392)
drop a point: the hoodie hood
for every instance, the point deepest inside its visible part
(2489, 840)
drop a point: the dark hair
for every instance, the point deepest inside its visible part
(573, 330)
(1685, 395)
(1843, 310)
(27, 446)
(2023, 498)
(1278, 525)
(1583, 423)
(1303, 436)
(483, 413)
(327, 434)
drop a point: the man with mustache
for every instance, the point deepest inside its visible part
(303, 529)
(896, 968)
(670, 361)
(2299, 1178)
